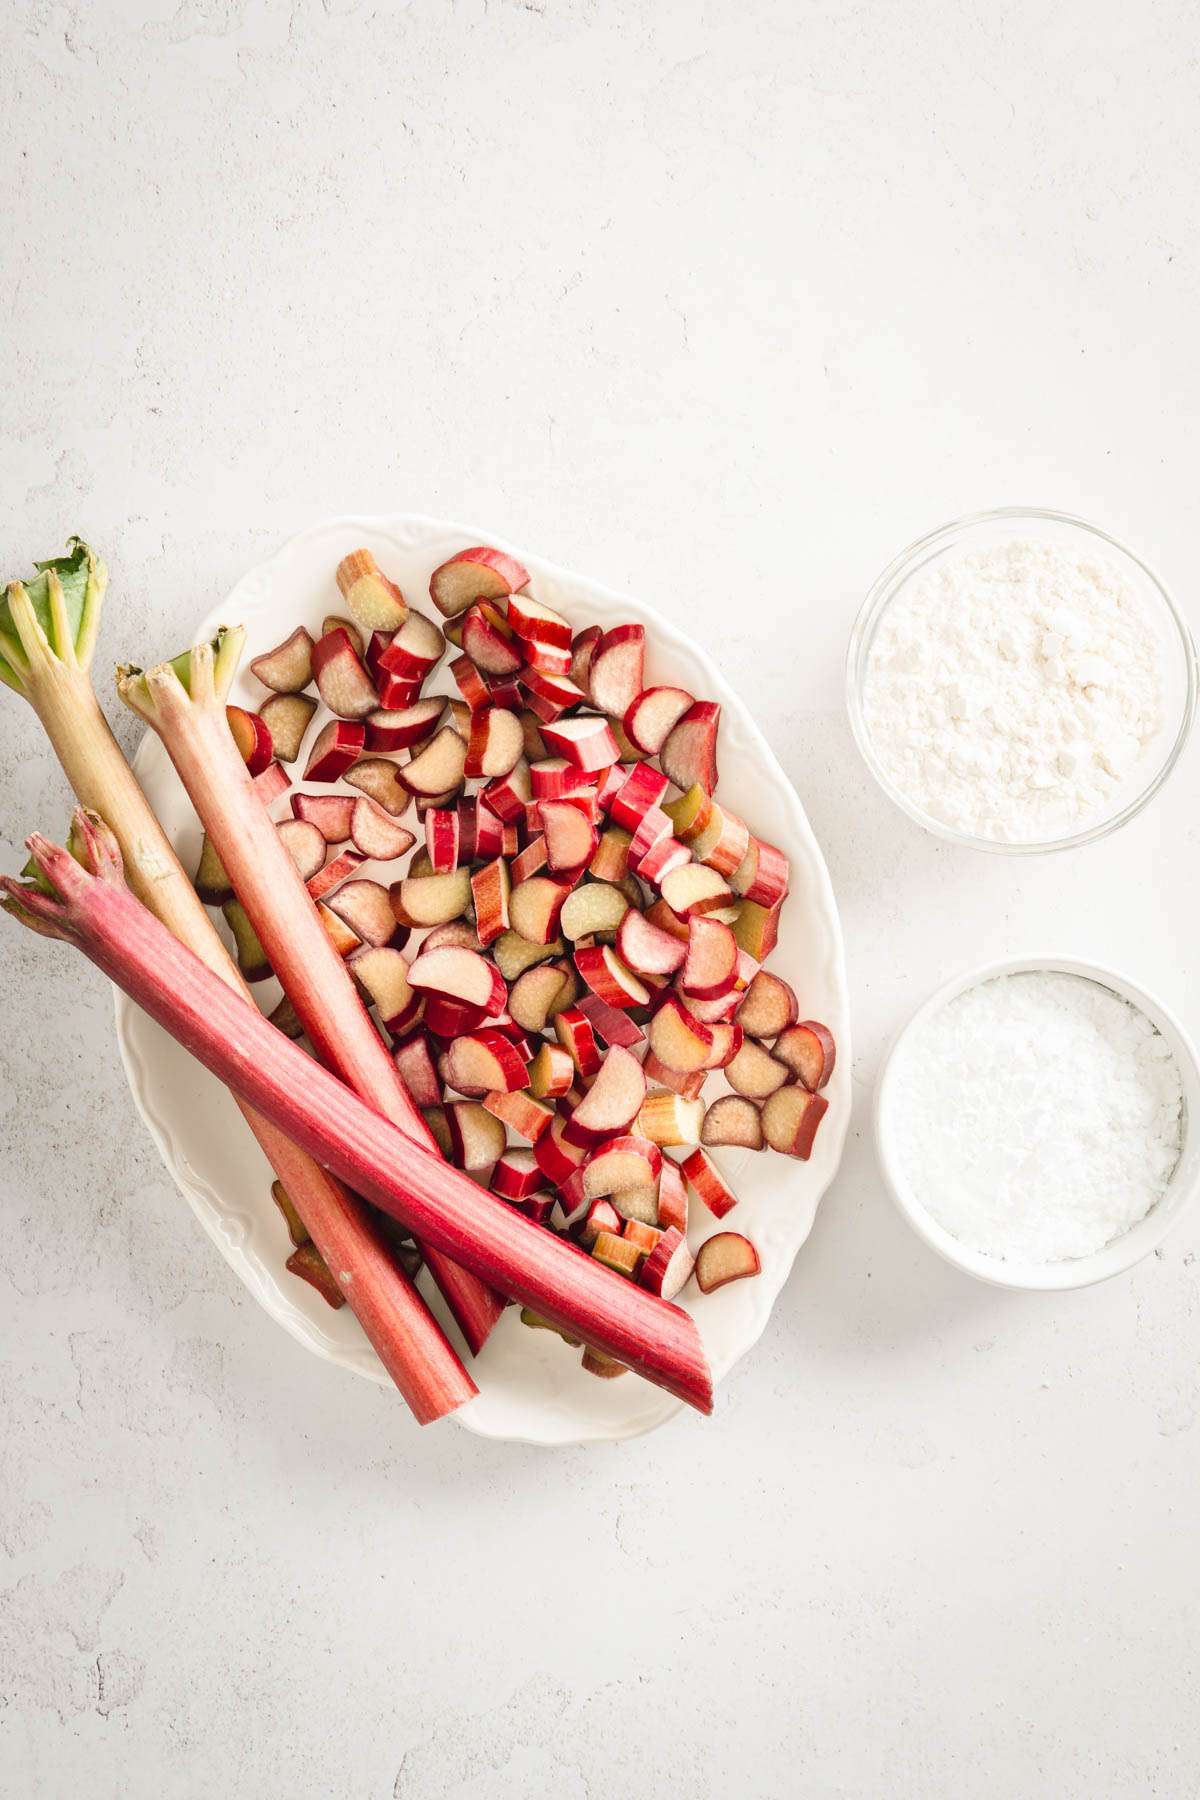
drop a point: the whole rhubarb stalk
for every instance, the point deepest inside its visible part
(189, 716)
(47, 638)
(87, 904)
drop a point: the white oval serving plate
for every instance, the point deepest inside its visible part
(532, 1387)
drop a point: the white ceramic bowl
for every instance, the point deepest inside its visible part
(1177, 657)
(531, 1386)
(1123, 1251)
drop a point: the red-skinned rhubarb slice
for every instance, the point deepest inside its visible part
(690, 752)
(615, 674)
(390, 729)
(287, 717)
(651, 717)
(376, 777)
(288, 668)
(496, 743)
(669, 1119)
(724, 1257)
(484, 1061)
(488, 642)
(710, 967)
(624, 1162)
(609, 978)
(535, 906)
(647, 948)
(438, 769)
(338, 747)
(475, 574)
(342, 679)
(531, 621)
(375, 602)
(612, 1102)
(669, 1266)
(679, 1041)
(642, 789)
(330, 813)
(461, 975)
(768, 1007)
(516, 1176)
(614, 1026)
(708, 1184)
(305, 845)
(733, 1120)
(755, 1073)
(696, 889)
(790, 1120)
(377, 834)
(588, 743)
(412, 652)
(809, 1051)
(252, 736)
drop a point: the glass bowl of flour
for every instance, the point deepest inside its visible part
(1038, 1122)
(1020, 682)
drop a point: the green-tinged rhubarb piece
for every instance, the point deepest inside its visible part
(48, 629)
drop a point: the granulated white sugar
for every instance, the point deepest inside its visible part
(1037, 1116)
(1011, 692)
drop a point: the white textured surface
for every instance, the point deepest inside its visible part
(723, 305)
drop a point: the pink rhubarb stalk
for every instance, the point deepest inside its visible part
(190, 719)
(91, 907)
(47, 638)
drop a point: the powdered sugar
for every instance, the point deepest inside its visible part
(1037, 1116)
(1012, 691)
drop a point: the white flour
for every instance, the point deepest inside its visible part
(1037, 1116)
(1011, 692)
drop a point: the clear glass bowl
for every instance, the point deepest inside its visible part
(978, 531)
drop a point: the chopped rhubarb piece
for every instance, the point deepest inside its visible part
(556, 1158)
(383, 974)
(487, 834)
(535, 907)
(438, 768)
(710, 967)
(768, 1006)
(336, 622)
(516, 1176)
(591, 909)
(551, 1072)
(611, 860)
(569, 834)
(624, 1162)
(652, 715)
(411, 652)
(288, 668)
(755, 1073)
(690, 752)
(484, 1061)
(389, 729)
(549, 696)
(447, 1019)
(583, 648)
(305, 845)
(252, 736)
(642, 790)
(691, 813)
(488, 641)
(514, 954)
(615, 673)
(338, 747)
(476, 1137)
(614, 1027)
(763, 874)
(531, 621)
(616, 1253)
(475, 574)
(809, 1051)
(723, 842)
(662, 859)
(679, 1041)
(375, 602)
(337, 870)
(756, 928)
(376, 833)
(442, 839)
(496, 743)
(344, 939)
(547, 659)
(577, 1038)
(376, 777)
(461, 975)
(726, 1256)
(534, 994)
(643, 1235)
(726, 1046)
(251, 957)
(490, 889)
(431, 899)
(365, 907)
(668, 1118)
(508, 795)
(271, 783)
(553, 776)
(647, 948)
(612, 1102)
(418, 1070)
(652, 828)
(609, 978)
(287, 717)
(529, 861)
(670, 1266)
(708, 1184)
(586, 742)
(521, 1111)
(697, 889)
(790, 1119)
(661, 915)
(342, 680)
(601, 1215)
(733, 1120)
(457, 934)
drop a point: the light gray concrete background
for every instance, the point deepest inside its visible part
(724, 303)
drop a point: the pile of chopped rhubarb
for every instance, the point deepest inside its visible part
(560, 931)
